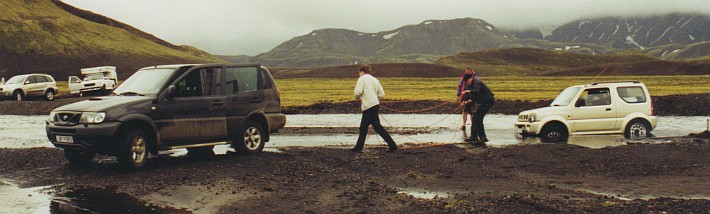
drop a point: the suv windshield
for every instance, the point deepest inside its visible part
(565, 98)
(16, 80)
(94, 77)
(144, 82)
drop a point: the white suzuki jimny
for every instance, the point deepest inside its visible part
(597, 108)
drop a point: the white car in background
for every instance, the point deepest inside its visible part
(597, 108)
(102, 79)
(29, 85)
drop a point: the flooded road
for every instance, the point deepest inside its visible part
(341, 130)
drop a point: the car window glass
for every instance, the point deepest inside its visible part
(241, 80)
(213, 79)
(596, 97)
(266, 84)
(32, 79)
(47, 79)
(191, 85)
(632, 94)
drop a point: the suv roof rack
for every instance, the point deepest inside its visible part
(621, 81)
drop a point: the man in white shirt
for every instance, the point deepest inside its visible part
(368, 91)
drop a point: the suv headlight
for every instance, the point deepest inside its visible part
(92, 117)
(532, 117)
(51, 117)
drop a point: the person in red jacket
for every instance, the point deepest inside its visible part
(462, 84)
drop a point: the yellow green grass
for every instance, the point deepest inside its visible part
(302, 92)
(307, 91)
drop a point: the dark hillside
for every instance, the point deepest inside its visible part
(48, 36)
(527, 61)
(378, 70)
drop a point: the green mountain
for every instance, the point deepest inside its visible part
(49, 36)
(424, 42)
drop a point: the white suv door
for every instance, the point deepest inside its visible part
(74, 84)
(597, 112)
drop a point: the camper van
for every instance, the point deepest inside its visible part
(98, 79)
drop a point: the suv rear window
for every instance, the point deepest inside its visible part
(632, 94)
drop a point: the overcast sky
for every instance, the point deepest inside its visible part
(233, 27)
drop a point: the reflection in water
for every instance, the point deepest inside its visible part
(28, 131)
(423, 193)
(94, 200)
(23, 200)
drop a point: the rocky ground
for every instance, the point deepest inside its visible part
(539, 178)
(686, 105)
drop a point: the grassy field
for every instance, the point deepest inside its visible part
(300, 92)
(306, 91)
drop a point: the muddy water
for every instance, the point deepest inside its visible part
(341, 130)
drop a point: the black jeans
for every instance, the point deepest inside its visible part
(477, 129)
(371, 116)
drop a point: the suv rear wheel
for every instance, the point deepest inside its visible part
(133, 149)
(637, 128)
(49, 95)
(250, 138)
(554, 133)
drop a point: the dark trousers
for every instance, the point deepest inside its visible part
(371, 116)
(477, 128)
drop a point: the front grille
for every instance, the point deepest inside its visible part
(63, 131)
(67, 118)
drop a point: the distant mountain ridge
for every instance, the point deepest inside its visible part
(673, 36)
(422, 42)
(636, 33)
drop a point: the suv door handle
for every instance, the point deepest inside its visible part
(256, 99)
(608, 109)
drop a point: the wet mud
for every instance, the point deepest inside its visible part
(456, 178)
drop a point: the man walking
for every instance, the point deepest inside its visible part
(368, 91)
(478, 92)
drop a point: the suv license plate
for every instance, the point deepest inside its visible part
(65, 139)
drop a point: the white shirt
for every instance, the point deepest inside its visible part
(368, 90)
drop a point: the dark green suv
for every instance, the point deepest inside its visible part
(171, 107)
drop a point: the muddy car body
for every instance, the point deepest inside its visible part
(597, 108)
(170, 107)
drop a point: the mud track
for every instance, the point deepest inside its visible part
(542, 178)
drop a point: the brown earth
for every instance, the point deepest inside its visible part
(380, 70)
(686, 105)
(538, 178)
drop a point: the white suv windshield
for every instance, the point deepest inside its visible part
(565, 98)
(94, 77)
(16, 80)
(144, 82)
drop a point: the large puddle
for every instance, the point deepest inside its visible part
(341, 130)
(336, 130)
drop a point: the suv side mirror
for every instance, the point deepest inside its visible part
(27, 82)
(170, 92)
(579, 103)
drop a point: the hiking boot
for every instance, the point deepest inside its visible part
(356, 150)
(392, 149)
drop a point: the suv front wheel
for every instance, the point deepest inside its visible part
(554, 133)
(18, 96)
(133, 149)
(250, 139)
(637, 128)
